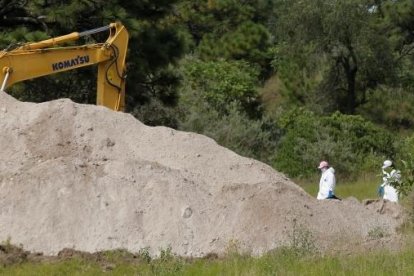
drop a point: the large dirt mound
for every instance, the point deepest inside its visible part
(84, 177)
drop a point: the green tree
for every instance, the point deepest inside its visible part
(337, 47)
(391, 104)
(399, 15)
(399, 23)
(219, 99)
(220, 83)
(229, 29)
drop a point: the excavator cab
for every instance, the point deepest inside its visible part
(50, 57)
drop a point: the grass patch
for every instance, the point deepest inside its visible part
(279, 262)
(365, 186)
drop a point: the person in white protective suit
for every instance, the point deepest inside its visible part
(327, 183)
(389, 176)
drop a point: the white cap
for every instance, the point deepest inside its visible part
(387, 163)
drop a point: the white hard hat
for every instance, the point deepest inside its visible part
(323, 164)
(387, 163)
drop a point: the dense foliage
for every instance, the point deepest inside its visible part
(349, 142)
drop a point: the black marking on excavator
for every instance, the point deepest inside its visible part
(70, 63)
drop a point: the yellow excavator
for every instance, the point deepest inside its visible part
(32, 60)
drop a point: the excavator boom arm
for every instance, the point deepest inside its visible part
(43, 58)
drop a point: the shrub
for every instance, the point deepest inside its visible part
(219, 83)
(346, 141)
(219, 99)
(302, 240)
(248, 137)
(392, 107)
(377, 233)
(406, 155)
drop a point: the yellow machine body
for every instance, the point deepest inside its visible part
(48, 57)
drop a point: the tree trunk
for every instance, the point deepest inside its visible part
(350, 66)
(351, 100)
